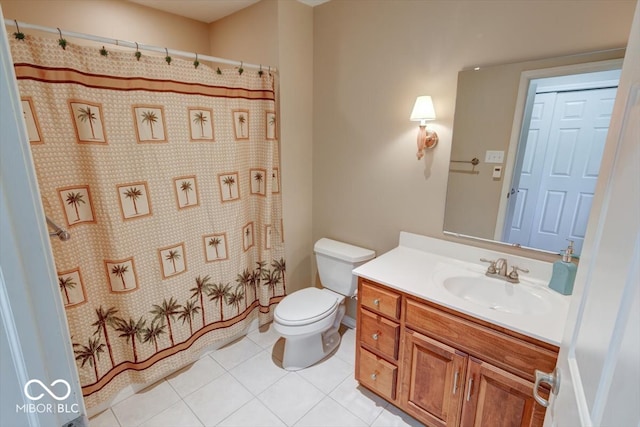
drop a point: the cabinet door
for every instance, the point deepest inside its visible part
(493, 397)
(433, 380)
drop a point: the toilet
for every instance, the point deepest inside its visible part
(309, 319)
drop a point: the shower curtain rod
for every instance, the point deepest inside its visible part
(134, 45)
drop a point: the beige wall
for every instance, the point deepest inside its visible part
(250, 35)
(371, 60)
(113, 19)
(295, 41)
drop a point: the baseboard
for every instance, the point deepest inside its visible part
(349, 322)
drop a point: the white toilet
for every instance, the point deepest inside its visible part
(309, 319)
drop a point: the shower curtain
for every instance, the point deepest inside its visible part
(166, 173)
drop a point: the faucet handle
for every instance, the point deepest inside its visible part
(514, 273)
(492, 266)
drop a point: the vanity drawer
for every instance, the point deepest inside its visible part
(380, 334)
(377, 374)
(379, 300)
(514, 355)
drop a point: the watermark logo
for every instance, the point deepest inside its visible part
(47, 389)
(51, 408)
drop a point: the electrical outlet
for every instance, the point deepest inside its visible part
(497, 172)
(494, 157)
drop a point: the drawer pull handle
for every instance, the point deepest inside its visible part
(455, 382)
(374, 376)
(376, 301)
(469, 387)
(375, 336)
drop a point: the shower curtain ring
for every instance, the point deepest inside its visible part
(18, 34)
(137, 54)
(240, 70)
(167, 58)
(260, 72)
(61, 41)
(196, 62)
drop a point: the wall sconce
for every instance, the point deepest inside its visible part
(422, 111)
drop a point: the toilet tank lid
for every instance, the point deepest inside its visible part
(343, 251)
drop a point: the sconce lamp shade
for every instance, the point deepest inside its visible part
(423, 110)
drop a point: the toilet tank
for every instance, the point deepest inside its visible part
(336, 260)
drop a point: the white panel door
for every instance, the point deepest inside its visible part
(571, 166)
(531, 171)
(599, 360)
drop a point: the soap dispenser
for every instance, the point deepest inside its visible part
(564, 273)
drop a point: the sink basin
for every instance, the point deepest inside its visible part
(499, 295)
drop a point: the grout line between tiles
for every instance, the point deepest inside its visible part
(269, 351)
(194, 414)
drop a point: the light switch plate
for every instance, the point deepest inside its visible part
(494, 156)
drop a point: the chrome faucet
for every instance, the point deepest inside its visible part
(498, 269)
(501, 267)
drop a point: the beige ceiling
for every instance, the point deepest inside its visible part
(206, 10)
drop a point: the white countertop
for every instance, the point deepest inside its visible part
(414, 266)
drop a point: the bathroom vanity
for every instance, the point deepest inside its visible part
(450, 346)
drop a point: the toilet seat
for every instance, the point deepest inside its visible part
(306, 306)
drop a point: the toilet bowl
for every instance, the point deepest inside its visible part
(309, 319)
(309, 322)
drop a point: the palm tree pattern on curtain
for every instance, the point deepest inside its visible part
(65, 284)
(133, 193)
(186, 187)
(119, 271)
(86, 115)
(74, 199)
(150, 118)
(200, 119)
(215, 242)
(145, 315)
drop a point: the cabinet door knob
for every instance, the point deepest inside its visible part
(375, 336)
(376, 301)
(374, 376)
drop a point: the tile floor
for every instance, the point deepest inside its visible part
(243, 384)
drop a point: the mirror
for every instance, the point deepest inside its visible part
(510, 151)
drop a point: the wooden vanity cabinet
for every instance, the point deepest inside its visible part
(445, 368)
